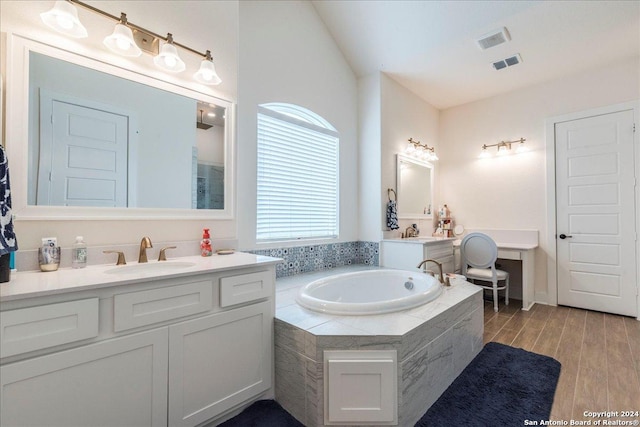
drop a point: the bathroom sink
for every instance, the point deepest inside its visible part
(155, 267)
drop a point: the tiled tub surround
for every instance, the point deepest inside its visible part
(435, 342)
(305, 259)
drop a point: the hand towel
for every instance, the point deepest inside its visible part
(8, 242)
(392, 215)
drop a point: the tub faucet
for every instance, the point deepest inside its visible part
(444, 280)
(144, 244)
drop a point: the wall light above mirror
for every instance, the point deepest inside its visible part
(170, 166)
(503, 147)
(131, 40)
(420, 151)
(414, 181)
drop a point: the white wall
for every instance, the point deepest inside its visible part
(510, 192)
(369, 149)
(210, 145)
(404, 115)
(287, 55)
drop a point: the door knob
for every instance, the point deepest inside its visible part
(564, 236)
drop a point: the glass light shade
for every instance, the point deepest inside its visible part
(433, 157)
(484, 153)
(64, 19)
(121, 41)
(410, 149)
(521, 148)
(503, 149)
(207, 73)
(168, 59)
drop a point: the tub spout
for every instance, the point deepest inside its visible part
(441, 278)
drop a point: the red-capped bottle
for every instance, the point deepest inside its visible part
(205, 244)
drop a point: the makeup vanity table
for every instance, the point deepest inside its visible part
(513, 245)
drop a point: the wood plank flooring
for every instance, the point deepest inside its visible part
(599, 353)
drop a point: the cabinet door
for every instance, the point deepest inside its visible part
(401, 255)
(217, 362)
(120, 382)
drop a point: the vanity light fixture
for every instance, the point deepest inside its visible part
(121, 40)
(504, 147)
(64, 19)
(421, 151)
(130, 40)
(207, 73)
(168, 58)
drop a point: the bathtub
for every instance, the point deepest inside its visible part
(369, 292)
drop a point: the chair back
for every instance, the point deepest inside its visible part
(478, 250)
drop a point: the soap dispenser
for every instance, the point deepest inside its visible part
(205, 244)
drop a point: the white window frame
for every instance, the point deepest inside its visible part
(305, 120)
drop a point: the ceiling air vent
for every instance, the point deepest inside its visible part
(508, 62)
(493, 38)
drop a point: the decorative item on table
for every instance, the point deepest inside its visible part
(392, 210)
(445, 222)
(8, 241)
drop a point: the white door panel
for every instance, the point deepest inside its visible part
(595, 203)
(83, 154)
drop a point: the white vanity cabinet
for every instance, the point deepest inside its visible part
(218, 362)
(406, 254)
(164, 352)
(122, 381)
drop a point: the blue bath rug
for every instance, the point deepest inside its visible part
(502, 386)
(263, 413)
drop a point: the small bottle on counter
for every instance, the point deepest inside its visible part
(205, 244)
(79, 253)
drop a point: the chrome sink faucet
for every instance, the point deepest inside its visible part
(441, 278)
(144, 245)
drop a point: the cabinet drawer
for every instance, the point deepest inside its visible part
(507, 254)
(35, 328)
(245, 287)
(136, 309)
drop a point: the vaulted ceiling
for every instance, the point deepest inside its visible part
(430, 46)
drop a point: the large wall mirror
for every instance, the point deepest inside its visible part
(414, 180)
(101, 141)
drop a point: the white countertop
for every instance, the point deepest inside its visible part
(506, 245)
(31, 284)
(420, 240)
(520, 240)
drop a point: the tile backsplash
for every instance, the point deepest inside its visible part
(304, 259)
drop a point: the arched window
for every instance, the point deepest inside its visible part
(297, 174)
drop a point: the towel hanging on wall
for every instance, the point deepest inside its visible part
(8, 243)
(392, 210)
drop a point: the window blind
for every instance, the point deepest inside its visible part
(297, 194)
